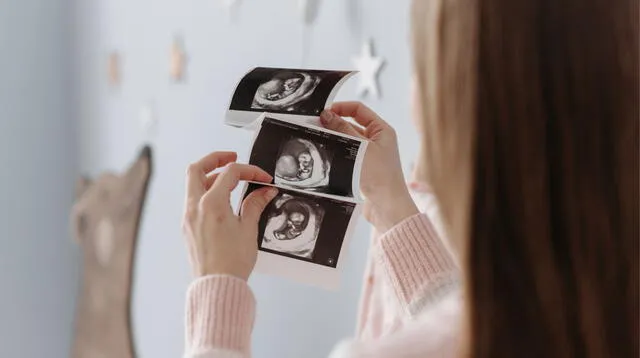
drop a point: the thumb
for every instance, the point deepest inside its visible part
(332, 121)
(254, 204)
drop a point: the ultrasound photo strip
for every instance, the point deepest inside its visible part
(304, 231)
(302, 93)
(308, 158)
(303, 236)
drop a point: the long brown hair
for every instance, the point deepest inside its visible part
(530, 112)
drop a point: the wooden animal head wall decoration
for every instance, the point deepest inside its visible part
(105, 220)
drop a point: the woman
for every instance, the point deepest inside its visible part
(530, 143)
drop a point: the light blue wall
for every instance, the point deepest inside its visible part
(293, 320)
(38, 260)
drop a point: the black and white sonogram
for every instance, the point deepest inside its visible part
(285, 91)
(292, 227)
(303, 164)
(281, 90)
(306, 158)
(304, 226)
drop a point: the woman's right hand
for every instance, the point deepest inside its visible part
(382, 182)
(218, 240)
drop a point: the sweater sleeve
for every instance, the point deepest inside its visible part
(416, 264)
(220, 314)
(411, 258)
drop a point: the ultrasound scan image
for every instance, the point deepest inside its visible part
(303, 164)
(293, 224)
(285, 91)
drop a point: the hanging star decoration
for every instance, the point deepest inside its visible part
(113, 69)
(369, 67)
(178, 60)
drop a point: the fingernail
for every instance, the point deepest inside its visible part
(326, 116)
(271, 193)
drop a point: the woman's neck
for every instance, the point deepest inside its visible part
(420, 170)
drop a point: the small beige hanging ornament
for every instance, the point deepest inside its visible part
(369, 67)
(178, 60)
(113, 69)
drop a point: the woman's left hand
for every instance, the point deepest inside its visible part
(219, 241)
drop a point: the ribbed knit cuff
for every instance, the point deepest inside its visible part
(220, 314)
(416, 262)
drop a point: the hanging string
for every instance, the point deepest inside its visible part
(306, 44)
(355, 12)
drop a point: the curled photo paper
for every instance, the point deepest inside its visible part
(302, 93)
(304, 232)
(304, 237)
(312, 159)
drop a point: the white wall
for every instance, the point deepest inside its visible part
(38, 261)
(293, 320)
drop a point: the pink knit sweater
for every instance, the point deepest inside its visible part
(410, 304)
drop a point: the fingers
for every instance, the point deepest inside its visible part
(358, 111)
(255, 203)
(229, 179)
(219, 194)
(334, 122)
(216, 160)
(197, 172)
(358, 129)
(211, 178)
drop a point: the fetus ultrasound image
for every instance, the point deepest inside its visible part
(303, 226)
(305, 158)
(285, 91)
(303, 164)
(293, 224)
(276, 90)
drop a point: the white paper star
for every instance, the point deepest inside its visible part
(369, 68)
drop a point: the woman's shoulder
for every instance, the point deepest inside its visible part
(435, 332)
